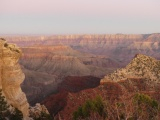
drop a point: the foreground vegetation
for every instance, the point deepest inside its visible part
(128, 107)
(8, 112)
(5, 113)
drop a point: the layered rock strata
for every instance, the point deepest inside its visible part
(121, 47)
(11, 76)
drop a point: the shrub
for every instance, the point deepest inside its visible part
(90, 106)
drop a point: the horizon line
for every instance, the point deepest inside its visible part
(79, 34)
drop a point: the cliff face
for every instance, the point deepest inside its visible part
(11, 76)
(75, 40)
(62, 60)
(122, 47)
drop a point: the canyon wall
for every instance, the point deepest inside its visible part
(11, 76)
(121, 47)
(46, 66)
(52, 56)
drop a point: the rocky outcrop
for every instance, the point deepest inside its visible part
(38, 110)
(141, 66)
(12, 76)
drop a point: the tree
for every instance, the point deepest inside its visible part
(134, 106)
(42, 116)
(89, 108)
(17, 115)
(129, 106)
(4, 111)
(3, 106)
(146, 107)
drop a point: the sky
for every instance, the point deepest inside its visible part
(79, 16)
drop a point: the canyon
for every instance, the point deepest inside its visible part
(65, 70)
(121, 47)
(47, 66)
(112, 87)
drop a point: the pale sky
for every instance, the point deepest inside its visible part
(79, 16)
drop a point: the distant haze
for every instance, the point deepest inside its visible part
(79, 16)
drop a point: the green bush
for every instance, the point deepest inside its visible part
(3, 106)
(84, 111)
(42, 116)
(17, 115)
(5, 113)
(146, 105)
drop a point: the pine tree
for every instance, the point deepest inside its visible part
(90, 106)
(17, 115)
(3, 106)
(42, 116)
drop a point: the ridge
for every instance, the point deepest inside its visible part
(141, 66)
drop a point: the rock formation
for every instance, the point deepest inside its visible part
(141, 75)
(38, 110)
(12, 76)
(121, 47)
(63, 60)
(141, 66)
